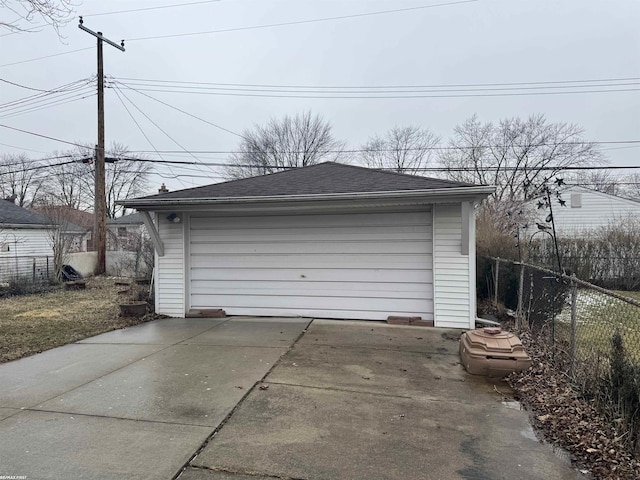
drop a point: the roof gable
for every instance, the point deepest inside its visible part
(323, 178)
(132, 219)
(626, 201)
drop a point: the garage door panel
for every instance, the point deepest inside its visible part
(386, 276)
(383, 220)
(334, 266)
(325, 234)
(305, 261)
(323, 289)
(319, 313)
(303, 301)
(310, 247)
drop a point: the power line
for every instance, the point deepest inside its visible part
(175, 5)
(442, 85)
(300, 22)
(404, 90)
(420, 169)
(349, 96)
(182, 111)
(42, 136)
(69, 87)
(24, 86)
(61, 101)
(21, 148)
(157, 126)
(361, 150)
(39, 167)
(117, 92)
(46, 56)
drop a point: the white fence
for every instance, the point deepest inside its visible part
(118, 263)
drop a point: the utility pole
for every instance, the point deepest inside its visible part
(100, 205)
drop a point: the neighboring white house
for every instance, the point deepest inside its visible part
(25, 244)
(327, 241)
(588, 210)
(125, 233)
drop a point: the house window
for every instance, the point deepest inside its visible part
(576, 200)
(122, 231)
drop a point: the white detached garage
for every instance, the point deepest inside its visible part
(325, 241)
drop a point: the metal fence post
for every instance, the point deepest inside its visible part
(497, 276)
(520, 314)
(574, 321)
(33, 272)
(48, 276)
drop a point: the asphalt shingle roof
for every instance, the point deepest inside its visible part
(323, 178)
(133, 219)
(12, 214)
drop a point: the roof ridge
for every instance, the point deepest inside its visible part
(391, 172)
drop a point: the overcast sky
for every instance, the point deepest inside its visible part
(449, 43)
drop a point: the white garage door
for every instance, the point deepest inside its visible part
(357, 266)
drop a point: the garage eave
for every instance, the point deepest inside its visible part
(428, 196)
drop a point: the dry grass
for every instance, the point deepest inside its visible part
(33, 323)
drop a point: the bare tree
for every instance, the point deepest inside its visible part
(19, 14)
(402, 149)
(515, 153)
(66, 182)
(630, 188)
(63, 236)
(599, 180)
(19, 180)
(298, 141)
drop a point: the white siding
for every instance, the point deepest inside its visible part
(356, 265)
(598, 210)
(25, 253)
(452, 270)
(25, 242)
(170, 268)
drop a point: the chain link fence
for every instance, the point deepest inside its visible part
(592, 334)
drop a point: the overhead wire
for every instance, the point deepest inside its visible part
(46, 56)
(22, 148)
(438, 148)
(87, 93)
(156, 125)
(43, 96)
(300, 22)
(27, 132)
(441, 85)
(188, 87)
(419, 169)
(180, 110)
(117, 92)
(388, 96)
(15, 84)
(144, 9)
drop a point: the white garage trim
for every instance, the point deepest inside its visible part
(350, 265)
(454, 306)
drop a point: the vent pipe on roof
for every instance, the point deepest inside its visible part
(163, 189)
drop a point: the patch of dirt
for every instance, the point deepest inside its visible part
(41, 313)
(36, 322)
(569, 421)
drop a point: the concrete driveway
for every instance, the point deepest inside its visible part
(215, 399)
